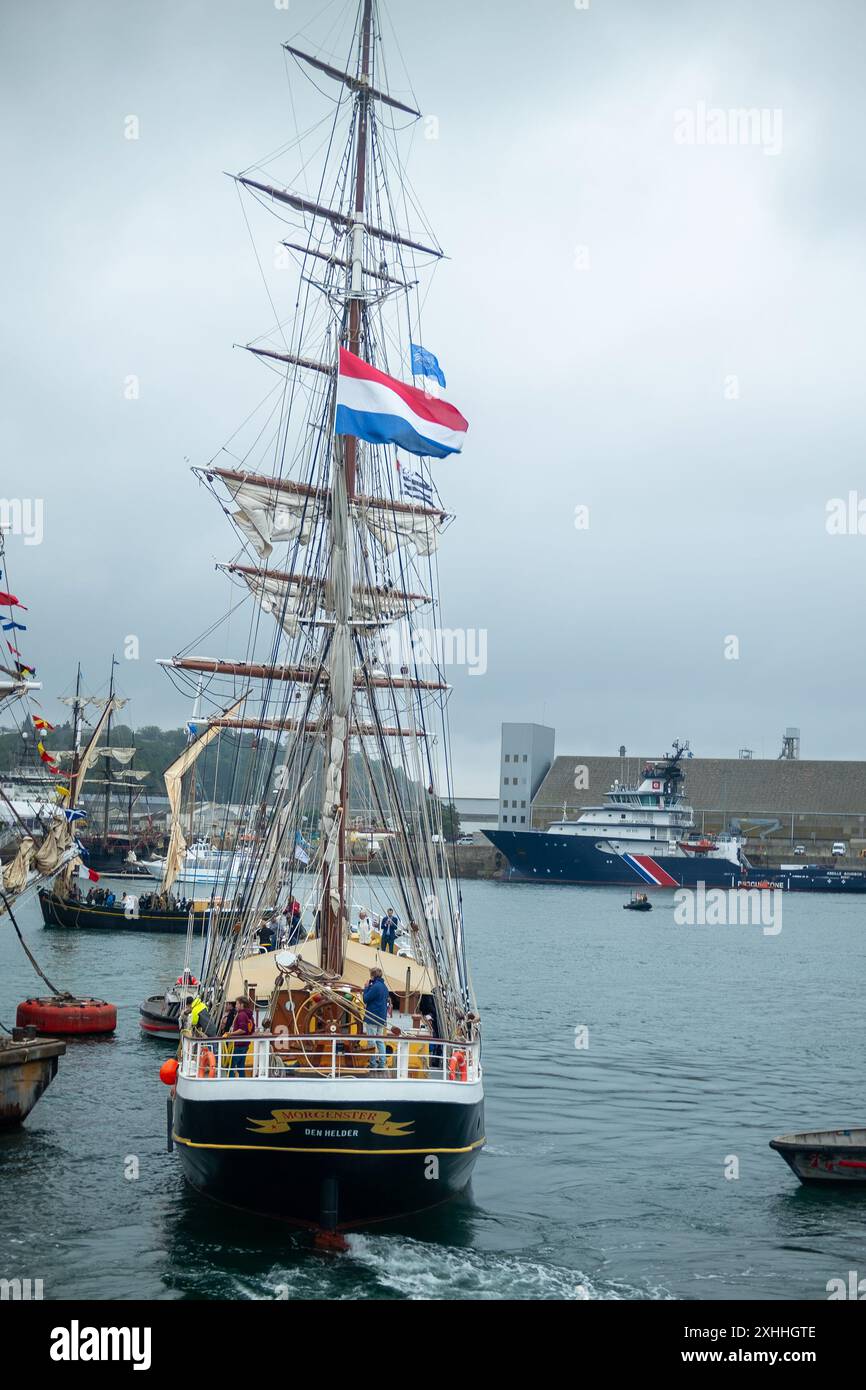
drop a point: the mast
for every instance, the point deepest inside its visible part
(76, 728)
(340, 655)
(107, 815)
(196, 712)
(356, 284)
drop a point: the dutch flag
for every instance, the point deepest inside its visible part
(382, 410)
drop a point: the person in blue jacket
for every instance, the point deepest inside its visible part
(376, 1014)
(388, 926)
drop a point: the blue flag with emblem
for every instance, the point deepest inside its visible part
(424, 363)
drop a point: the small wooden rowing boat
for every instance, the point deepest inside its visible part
(825, 1155)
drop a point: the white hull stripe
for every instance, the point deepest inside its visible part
(317, 1093)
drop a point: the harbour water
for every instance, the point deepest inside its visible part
(605, 1170)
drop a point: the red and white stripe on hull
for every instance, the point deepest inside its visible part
(650, 871)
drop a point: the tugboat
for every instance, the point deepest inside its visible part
(350, 1089)
(643, 833)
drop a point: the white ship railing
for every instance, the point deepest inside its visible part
(314, 1056)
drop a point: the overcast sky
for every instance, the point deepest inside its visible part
(665, 330)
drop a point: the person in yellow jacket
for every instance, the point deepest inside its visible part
(200, 1019)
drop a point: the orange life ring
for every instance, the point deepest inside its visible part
(206, 1063)
(457, 1067)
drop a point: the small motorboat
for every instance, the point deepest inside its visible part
(159, 1015)
(825, 1155)
(638, 902)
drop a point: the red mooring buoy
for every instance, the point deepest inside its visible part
(61, 1015)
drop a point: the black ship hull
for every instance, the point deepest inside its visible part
(80, 916)
(547, 857)
(315, 1162)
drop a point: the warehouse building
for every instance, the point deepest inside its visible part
(784, 801)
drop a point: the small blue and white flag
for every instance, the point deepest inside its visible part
(301, 848)
(74, 814)
(424, 363)
(413, 485)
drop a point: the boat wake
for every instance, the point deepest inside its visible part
(419, 1270)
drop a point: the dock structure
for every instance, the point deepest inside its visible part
(27, 1067)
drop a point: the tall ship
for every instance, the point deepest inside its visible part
(112, 836)
(329, 1071)
(645, 834)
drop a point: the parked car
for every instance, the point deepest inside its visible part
(839, 847)
(799, 849)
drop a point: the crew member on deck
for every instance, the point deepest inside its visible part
(376, 1014)
(389, 925)
(295, 932)
(244, 1023)
(267, 935)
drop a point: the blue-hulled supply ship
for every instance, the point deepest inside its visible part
(644, 834)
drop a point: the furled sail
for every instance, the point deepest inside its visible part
(268, 518)
(120, 755)
(278, 597)
(341, 681)
(390, 528)
(288, 597)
